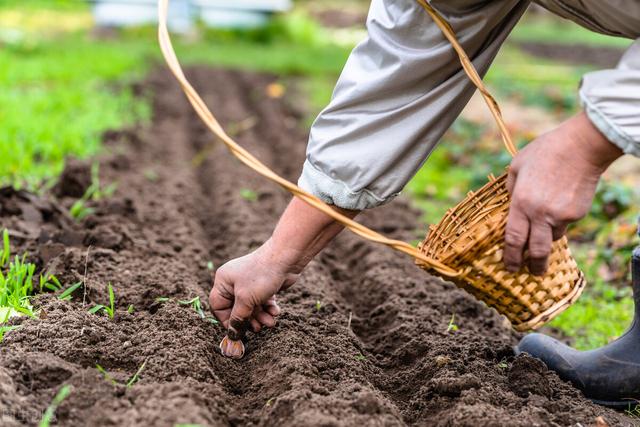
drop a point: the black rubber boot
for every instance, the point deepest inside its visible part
(609, 375)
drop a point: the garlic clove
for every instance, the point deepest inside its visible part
(232, 349)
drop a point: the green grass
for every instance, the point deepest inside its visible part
(600, 315)
(63, 88)
(57, 98)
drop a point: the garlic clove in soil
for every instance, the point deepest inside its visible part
(232, 349)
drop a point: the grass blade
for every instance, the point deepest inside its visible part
(106, 375)
(6, 249)
(96, 308)
(57, 400)
(70, 290)
(112, 299)
(134, 379)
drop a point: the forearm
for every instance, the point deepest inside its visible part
(301, 233)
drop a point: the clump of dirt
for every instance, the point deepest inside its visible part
(363, 338)
(74, 180)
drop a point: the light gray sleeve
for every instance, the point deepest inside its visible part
(611, 99)
(400, 90)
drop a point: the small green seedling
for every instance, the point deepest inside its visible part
(195, 304)
(269, 402)
(130, 382)
(106, 375)
(134, 379)
(360, 357)
(66, 295)
(79, 210)
(318, 305)
(150, 174)
(110, 309)
(213, 320)
(95, 190)
(210, 266)
(163, 299)
(503, 364)
(60, 396)
(130, 309)
(249, 195)
(452, 326)
(49, 282)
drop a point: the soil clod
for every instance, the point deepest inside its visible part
(393, 363)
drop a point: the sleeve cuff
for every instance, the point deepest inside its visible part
(609, 129)
(336, 192)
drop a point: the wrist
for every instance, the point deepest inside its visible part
(282, 257)
(591, 145)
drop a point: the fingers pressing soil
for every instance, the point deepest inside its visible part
(365, 336)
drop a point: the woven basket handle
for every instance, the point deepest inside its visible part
(249, 160)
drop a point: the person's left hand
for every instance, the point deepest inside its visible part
(552, 182)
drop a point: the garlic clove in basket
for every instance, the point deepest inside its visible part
(232, 349)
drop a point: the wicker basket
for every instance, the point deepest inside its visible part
(470, 239)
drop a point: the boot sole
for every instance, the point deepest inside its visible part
(617, 404)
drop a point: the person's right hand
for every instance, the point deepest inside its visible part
(243, 294)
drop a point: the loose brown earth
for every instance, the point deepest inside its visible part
(177, 206)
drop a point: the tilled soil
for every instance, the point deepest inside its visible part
(363, 339)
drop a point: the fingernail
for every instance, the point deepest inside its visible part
(232, 349)
(237, 329)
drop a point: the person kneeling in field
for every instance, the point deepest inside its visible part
(400, 90)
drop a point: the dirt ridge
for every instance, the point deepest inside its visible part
(177, 207)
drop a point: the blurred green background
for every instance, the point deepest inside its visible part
(64, 82)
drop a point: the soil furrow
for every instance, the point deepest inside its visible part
(181, 202)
